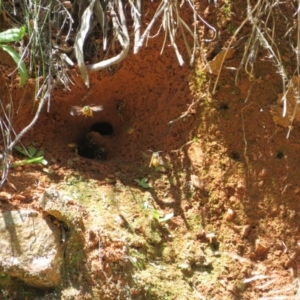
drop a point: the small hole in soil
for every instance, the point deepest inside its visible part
(92, 145)
(223, 106)
(279, 155)
(104, 128)
(88, 147)
(234, 155)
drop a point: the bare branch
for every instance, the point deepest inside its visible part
(80, 38)
(123, 37)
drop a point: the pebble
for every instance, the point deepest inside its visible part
(20, 197)
(246, 230)
(230, 215)
(263, 173)
(232, 199)
(260, 248)
(4, 196)
(120, 221)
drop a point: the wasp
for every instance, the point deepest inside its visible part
(156, 159)
(86, 110)
(130, 130)
(73, 147)
(101, 153)
(120, 108)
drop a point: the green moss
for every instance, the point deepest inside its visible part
(152, 235)
(5, 280)
(169, 254)
(195, 222)
(226, 8)
(138, 259)
(12, 288)
(240, 286)
(197, 79)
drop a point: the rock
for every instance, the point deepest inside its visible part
(62, 207)
(185, 268)
(5, 196)
(197, 182)
(30, 248)
(260, 248)
(230, 215)
(246, 231)
(70, 293)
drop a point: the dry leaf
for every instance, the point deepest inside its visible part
(216, 63)
(277, 110)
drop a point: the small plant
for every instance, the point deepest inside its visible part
(197, 79)
(166, 218)
(9, 36)
(34, 156)
(231, 28)
(143, 183)
(227, 9)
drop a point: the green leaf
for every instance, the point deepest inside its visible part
(138, 181)
(143, 183)
(27, 161)
(35, 157)
(40, 160)
(32, 151)
(155, 214)
(40, 153)
(21, 66)
(22, 150)
(12, 35)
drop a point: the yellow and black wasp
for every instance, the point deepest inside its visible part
(86, 110)
(120, 108)
(156, 159)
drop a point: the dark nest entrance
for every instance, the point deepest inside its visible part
(93, 145)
